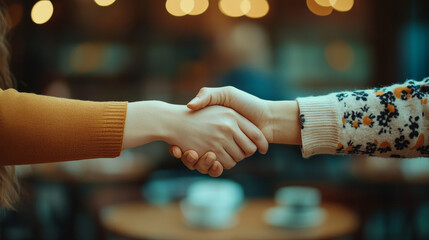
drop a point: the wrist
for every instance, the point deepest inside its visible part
(170, 119)
(146, 122)
(267, 120)
(283, 122)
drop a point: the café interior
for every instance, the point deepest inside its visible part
(133, 50)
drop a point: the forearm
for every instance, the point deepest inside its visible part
(284, 121)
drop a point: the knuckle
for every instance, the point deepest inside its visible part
(230, 112)
(214, 144)
(203, 89)
(224, 128)
(256, 136)
(229, 88)
(216, 140)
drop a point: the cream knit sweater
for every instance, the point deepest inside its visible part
(389, 121)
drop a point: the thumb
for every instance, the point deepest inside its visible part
(212, 96)
(202, 100)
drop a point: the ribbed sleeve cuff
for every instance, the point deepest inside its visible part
(109, 131)
(319, 121)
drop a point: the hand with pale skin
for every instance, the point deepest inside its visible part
(228, 136)
(278, 120)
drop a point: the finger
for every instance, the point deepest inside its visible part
(235, 152)
(190, 159)
(225, 159)
(205, 163)
(253, 133)
(175, 151)
(216, 169)
(246, 145)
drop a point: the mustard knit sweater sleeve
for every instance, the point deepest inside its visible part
(38, 129)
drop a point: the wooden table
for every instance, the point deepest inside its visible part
(141, 220)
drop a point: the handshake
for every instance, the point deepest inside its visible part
(222, 126)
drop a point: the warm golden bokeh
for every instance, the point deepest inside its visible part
(200, 6)
(318, 9)
(187, 5)
(324, 3)
(174, 8)
(42, 11)
(234, 8)
(258, 9)
(342, 5)
(104, 3)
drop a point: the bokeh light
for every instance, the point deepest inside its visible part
(42, 11)
(174, 8)
(318, 9)
(258, 8)
(324, 3)
(245, 6)
(104, 3)
(339, 55)
(342, 5)
(234, 8)
(231, 8)
(200, 6)
(187, 5)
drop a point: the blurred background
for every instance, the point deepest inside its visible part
(167, 50)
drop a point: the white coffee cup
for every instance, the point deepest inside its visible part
(298, 208)
(212, 204)
(298, 196)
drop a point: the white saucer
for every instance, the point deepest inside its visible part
(287, 217)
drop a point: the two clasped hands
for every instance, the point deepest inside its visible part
(226, 125)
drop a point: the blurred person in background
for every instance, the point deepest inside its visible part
(387, 122)
(246, 55)
(39, 129)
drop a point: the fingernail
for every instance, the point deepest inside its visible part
(215, 167)
(194, 100)
(190, 158)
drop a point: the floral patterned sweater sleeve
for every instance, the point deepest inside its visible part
(388, 122)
